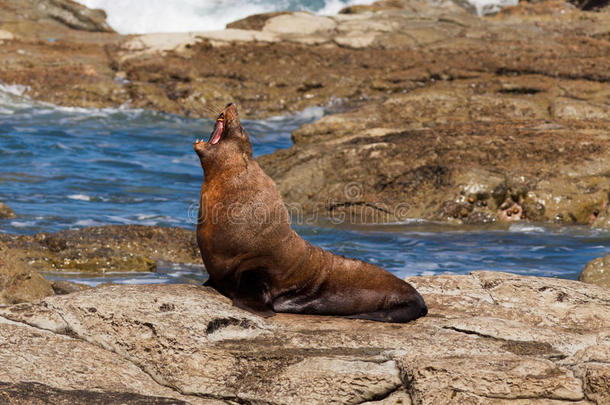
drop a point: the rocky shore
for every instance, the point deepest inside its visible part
(443, 115)
(95, 250)
(437, 114)
(489, 338)
(113, 248)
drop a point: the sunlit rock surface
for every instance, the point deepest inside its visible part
(488, 337)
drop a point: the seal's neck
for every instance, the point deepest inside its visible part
(227, 167)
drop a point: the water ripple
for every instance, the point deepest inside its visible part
(72, 167)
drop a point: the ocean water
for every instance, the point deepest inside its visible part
(66, 168)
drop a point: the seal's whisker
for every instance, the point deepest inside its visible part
(213, 108)
(210, 109)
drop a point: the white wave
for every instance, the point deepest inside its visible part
(12, 98)
(88, 222)
(13, 89)
(485, 7)
(332, 7)
(190, 159)
(117, 218)
(406, 221)
(62, 146)
(142, 217)
(22, 224)
(80, 197)
(149, 280)
(525, 228)
(147, 16)
(309, 113)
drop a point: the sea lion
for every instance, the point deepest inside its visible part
(255, 258)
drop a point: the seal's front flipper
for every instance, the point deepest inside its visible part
(255, 306)
(252, 293)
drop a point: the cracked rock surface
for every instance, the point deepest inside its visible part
(489, 338)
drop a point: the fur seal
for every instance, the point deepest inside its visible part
(255, 258)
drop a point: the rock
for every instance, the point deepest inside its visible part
(426, 154)
(299, 24)
(597, 272)
(376, 6)
(18, 281)
(75, 15)
(590, 4)
(230, 35)
(58, 15)
(6, 211)
(6, 35)
(107, 248)
(180, 42)
(360, 58)
(575, 109)
(34, 393)
(62, 287)
(489, 336)
(69, 370)
(255, 22)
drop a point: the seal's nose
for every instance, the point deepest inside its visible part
(230, 114)
(230, 108)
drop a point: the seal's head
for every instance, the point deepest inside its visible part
(229, 142)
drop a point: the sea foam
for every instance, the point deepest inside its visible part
(147, 16)
(151, 16)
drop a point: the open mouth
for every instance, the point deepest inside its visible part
(219, 128)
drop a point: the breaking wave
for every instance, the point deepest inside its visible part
(146, 16)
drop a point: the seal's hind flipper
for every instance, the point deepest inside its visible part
(379, 316)
(399, 314)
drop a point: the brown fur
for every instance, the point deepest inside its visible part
(255, 258)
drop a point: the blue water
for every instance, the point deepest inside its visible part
(66, 168)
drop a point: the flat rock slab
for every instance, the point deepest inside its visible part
(489, 338)
(105, 248)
